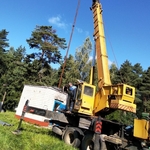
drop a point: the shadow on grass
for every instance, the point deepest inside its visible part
(38, 130)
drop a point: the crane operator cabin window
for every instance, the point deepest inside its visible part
(88, 91)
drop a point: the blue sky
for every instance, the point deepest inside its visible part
(127, 25)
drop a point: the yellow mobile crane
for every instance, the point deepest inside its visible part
(86, 127)
(120, 96)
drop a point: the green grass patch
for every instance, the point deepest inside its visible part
(31, 137)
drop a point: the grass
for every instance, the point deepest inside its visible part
(31, 137)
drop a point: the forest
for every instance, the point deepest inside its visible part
(17, 68)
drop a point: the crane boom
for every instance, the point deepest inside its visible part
(101, 52)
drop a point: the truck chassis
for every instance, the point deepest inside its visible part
(80, 131)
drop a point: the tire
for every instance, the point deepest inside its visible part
(57, 130)
(132, 148)
(88, 142)
(72, 137)
(2, 110)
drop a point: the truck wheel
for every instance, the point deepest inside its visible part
(88, 142)
(132, 147)
(72, 137)
(57, 130)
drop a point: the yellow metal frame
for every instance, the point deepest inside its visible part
(115, 97)
(141, 128)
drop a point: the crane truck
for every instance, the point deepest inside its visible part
(86, 127)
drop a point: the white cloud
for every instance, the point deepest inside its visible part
(109, 61)
(79, 30)
(57, 21)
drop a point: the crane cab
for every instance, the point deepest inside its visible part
(85, 98)
(120, 96)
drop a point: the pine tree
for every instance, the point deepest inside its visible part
(77, 67)
(3, 40)
(126, 73)
(14, 78)
(144, 90)
(3, 45)
(45, 39)
(137, 80)
(70, 73)
(114, 74)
